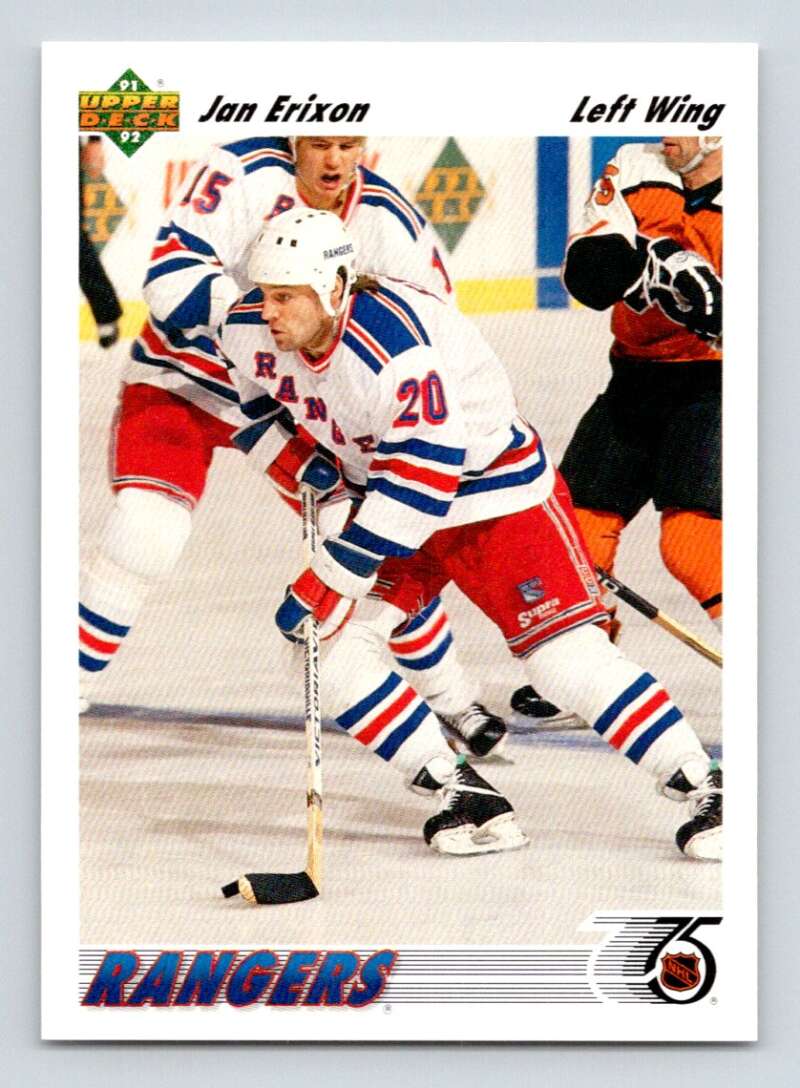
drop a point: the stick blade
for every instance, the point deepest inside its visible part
(272, 888)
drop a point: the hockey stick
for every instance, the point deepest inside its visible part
(657, 616)
(295, 887)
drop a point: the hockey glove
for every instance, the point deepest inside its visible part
(328, 590)
(685, 287)
(310, 596)
(301, 463)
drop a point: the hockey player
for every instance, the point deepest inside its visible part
(651, 247)
(94, 280)
(178, 404)
(456, 487)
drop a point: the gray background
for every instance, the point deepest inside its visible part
(26, 1061)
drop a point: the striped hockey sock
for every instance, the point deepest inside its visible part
(645, 725)
(423, 642)
(393, 721)
(583, 672)
(139, 547)
(111, 599)
(424, 646)
(99, 639)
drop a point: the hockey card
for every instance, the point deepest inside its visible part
(383, 455)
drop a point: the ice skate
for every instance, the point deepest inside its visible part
(477, 731)
(474, 818)
(701, 836)
(107, 335)
(528, 703)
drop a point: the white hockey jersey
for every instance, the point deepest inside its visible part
(414, 403)
(198, 266)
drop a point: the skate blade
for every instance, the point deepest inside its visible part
(522, 723)
(503, 833)
(705, 845)
(498, 754)
(497, 835)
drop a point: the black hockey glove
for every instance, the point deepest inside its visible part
(685, 287)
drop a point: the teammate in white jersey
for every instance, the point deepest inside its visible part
(457, 487)
(178, 403)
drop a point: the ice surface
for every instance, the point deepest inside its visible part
(175, 804)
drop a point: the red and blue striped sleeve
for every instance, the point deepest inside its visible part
(188, 284)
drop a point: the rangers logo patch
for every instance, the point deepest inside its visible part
(532, 590)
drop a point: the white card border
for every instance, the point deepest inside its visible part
(730, 72)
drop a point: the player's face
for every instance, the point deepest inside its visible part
(325, 166)
(295, 317)
(678, 150)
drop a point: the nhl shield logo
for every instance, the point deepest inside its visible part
(680, 971)
(532, 590)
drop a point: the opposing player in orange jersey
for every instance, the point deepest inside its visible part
(651, 248)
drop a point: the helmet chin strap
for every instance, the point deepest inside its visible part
(333, 331)
(707, 145)
(337, 311)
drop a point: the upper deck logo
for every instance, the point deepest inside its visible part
(129, 112)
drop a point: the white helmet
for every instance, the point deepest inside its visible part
(707, 145)
(305, 248)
